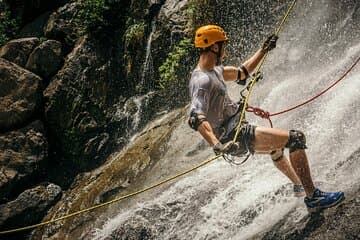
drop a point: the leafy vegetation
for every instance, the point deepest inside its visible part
(91, 17)
(8, 25)
(135, 33)
(170, 70)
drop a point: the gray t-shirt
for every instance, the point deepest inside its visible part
(209, 97)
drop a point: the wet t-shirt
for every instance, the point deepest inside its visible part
(209, 97)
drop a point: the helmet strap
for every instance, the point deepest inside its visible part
(218, 53)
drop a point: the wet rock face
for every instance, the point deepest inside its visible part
(22, 154)
(131, 232)
(20, 94)
(18, 50)
(30, 206)
(109, 181)
(46, 59)
(81, 101)
(341, 222)
(61, 25)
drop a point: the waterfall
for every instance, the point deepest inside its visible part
(147, 69)
(220, 201)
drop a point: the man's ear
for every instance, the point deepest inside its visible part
(214, 47)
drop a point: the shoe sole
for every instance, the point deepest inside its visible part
(318, 209)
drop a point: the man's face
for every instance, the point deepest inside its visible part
(222, 49)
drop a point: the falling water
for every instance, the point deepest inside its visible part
(147, 70)
(220, 201)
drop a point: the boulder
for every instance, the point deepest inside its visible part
(36, 27)
(18, 50)
(20, 95)
(29, 207)
(81, 101)
(46, 59)
(22, 155)
(61, 25)
(28, 10)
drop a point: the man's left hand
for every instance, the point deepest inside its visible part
(227, 148)
(270, 43)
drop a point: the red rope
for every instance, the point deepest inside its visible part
(265, 114)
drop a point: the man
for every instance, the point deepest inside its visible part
(215, 116)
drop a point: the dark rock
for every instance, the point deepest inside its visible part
(29, 207)
(172, 17)
(20, 95)
(35, 28)
(46, 59)
(61, 25)
(18, 50)
(28, 10)
(22, 154)
(131, 232)
(81, 101)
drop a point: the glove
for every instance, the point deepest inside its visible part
(270, 43)
(227, 148)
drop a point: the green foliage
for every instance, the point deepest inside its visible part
(42, 39)
(135, 33)
(171, 69)
(91, 18)
(8, 26)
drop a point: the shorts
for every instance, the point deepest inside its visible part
(245, 137)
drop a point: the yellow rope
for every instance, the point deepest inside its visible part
(242, 116)
(111, 201)
(166, 180)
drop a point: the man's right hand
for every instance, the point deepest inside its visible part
(270, 43)
(227, 148)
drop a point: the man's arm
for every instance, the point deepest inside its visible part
(206, 131)
(231, 72)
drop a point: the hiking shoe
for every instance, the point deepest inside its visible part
(299, 190)
(322, 200)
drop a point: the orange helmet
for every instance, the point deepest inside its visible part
(207, 35)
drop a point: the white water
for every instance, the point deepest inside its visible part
(148, 63)
(220, 201)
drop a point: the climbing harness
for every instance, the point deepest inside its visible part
(241, 159)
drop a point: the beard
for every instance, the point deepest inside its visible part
(218, 61)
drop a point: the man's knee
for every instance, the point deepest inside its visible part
(296, 141)
(277, 155)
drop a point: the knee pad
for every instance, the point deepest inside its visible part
(277, 155)
(296, 141)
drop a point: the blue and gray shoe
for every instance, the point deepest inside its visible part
(322, 200)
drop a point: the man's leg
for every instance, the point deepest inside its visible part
(267, 139)
(284, 165)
